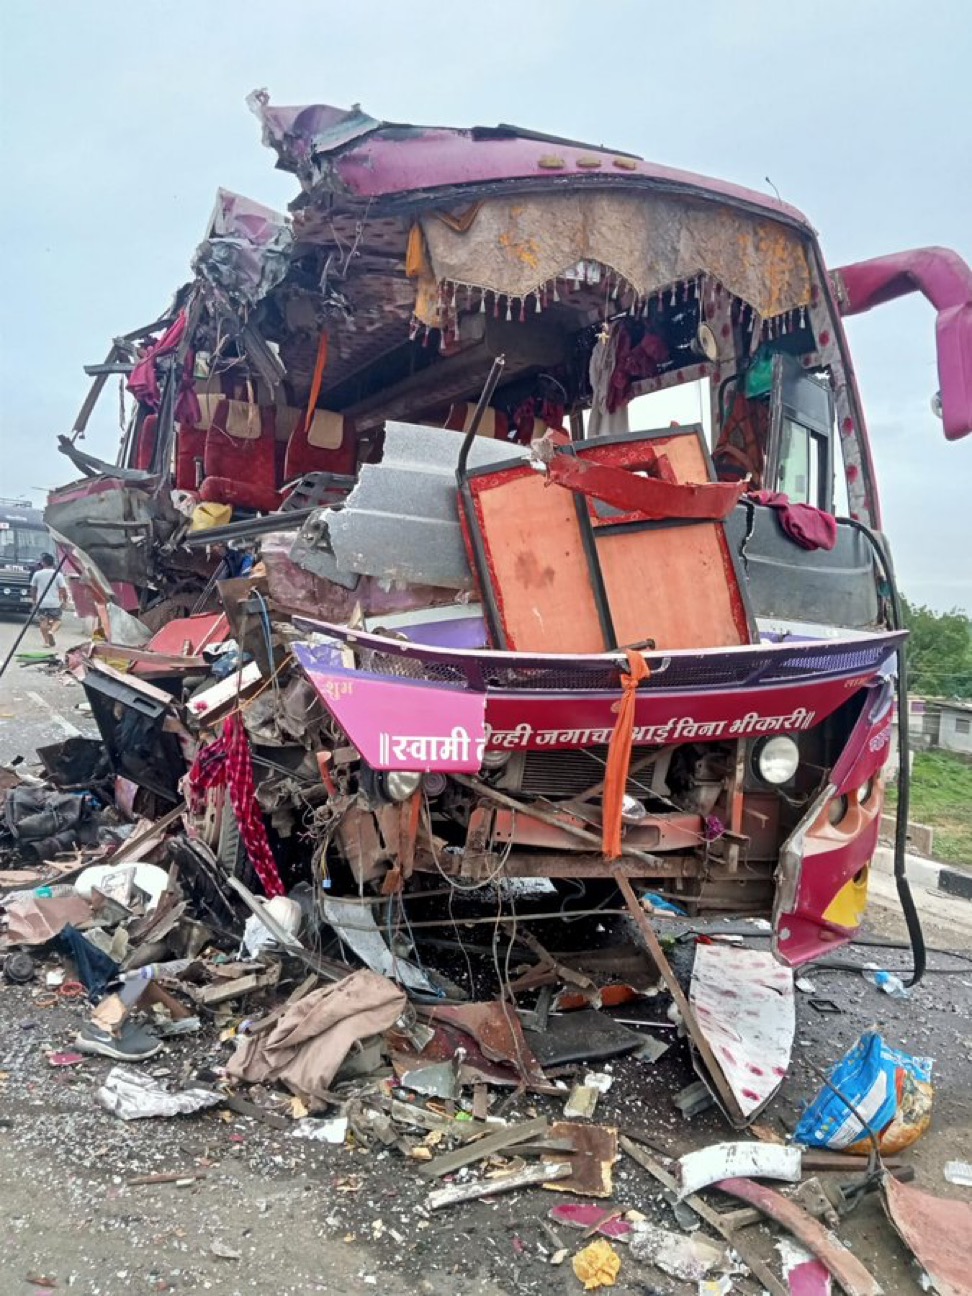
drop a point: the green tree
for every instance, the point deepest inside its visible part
(939, 652)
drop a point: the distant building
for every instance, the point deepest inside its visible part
(923, 721)
(952, 725)
(920, 736)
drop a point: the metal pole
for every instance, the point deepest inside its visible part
(30, 620)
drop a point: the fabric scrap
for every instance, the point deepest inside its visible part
(304, 1045)
(96, 971)
(226, 763)
(809, 527)
(143, 381)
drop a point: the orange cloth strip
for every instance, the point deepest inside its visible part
(315, 390)
(619, 753)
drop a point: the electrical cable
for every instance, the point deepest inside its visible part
(462, 886)
(905, 897)
(460, 941)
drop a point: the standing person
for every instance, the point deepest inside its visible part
(50, 598)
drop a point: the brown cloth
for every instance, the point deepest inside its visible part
(35, 920)
(304, 1045)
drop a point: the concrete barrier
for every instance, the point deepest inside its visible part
(920, 836)
(927, 873)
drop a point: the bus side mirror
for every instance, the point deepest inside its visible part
(946, 281)
(953, 338)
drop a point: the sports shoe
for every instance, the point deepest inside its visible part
(132, 1044)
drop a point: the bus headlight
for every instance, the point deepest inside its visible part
(776, 760)
(837, 810)
(399, 785)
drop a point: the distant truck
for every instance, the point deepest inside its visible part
(23, 538)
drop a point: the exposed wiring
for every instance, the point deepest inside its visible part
(453, 882)
(506, 997)
(905, 897)
(460, 941)
(268, 640)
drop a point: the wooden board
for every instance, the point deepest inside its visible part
(672, 584)
(537, 564)
(547, 554)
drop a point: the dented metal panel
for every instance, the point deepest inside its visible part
(401, 521)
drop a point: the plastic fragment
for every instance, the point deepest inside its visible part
(887, 981)
(687, 1258)
(598, 1265)
(323, 1131)
(585, 1215)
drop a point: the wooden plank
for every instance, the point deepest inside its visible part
(173, 1176)
(534, 811)
(244, 1108)
(844, 1266)
(646, 574)
(489, 1146)
(138, 844)
(760, 1269)
(679, 996)
(565, 973)
(819, 1159)
(225, 990)
(524, 1178)
(595, 1152)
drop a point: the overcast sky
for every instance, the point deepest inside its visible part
(119, 121)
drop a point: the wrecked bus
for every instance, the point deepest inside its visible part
(569, 535)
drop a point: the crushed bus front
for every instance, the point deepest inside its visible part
(532, 482)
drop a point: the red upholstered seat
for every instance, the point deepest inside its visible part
(328, 445)
(145, 442)
(190, 453)
(239, 458)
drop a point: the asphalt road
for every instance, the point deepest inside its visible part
(38, 705)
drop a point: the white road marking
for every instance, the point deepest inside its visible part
(65, 726)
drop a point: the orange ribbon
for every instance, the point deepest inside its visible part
(619, 754)
(316, 381)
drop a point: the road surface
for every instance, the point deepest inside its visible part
(38, 706)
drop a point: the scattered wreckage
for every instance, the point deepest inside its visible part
(154, 942)
(396, 599)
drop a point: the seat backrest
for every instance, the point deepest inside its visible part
(190, 453)
(494, 422)
(326, 445)
(145, 442)
(240, 444)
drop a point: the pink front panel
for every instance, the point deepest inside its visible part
(402, 726)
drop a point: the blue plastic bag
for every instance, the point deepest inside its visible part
(872, 1076)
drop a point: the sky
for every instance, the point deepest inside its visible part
(119, 122)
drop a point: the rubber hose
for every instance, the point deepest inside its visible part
(905, 897)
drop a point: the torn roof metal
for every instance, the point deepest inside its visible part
(350, 152)
(246, 249)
